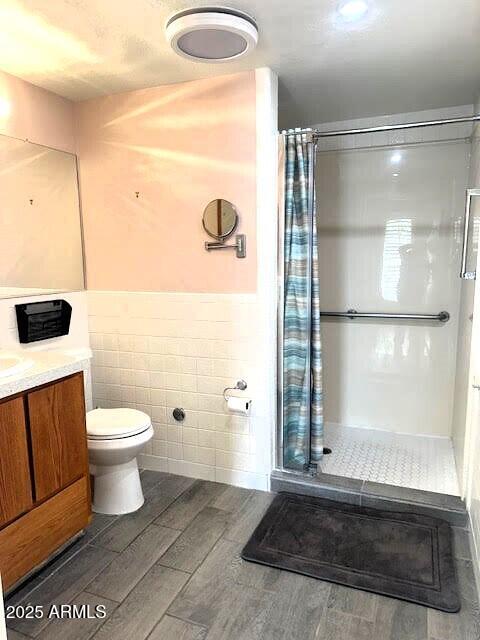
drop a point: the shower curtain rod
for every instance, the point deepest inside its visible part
(387, 127)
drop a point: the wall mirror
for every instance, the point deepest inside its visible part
(220, 219)
(40, 227)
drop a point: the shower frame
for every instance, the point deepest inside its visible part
(313, 135)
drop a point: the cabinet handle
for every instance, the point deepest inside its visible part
(464, 274)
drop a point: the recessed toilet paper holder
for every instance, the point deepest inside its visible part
(241, 385)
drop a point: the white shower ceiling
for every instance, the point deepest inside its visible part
(404, 56)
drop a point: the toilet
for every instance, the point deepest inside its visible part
(115, 437)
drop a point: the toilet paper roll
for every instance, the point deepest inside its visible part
(239, 405)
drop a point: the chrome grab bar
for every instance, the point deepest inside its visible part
(464, 274)
(352, 314)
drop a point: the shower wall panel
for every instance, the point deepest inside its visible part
(390, 231)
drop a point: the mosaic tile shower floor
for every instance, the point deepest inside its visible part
(417, 462)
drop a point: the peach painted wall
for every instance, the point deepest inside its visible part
(179, 146)
(31, 113)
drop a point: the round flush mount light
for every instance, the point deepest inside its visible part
(352, 10)
(396, 157)
(212, 34)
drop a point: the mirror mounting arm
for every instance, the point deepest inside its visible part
(240, 245)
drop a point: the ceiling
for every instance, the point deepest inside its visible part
(406, 55)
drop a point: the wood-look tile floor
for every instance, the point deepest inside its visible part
(172, 571)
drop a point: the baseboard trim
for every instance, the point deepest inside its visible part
(475, 557)
(152, 463)
(234, 477)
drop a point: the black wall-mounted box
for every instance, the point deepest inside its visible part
(43, 320)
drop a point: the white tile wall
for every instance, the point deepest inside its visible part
(77, 337)
(158, 351)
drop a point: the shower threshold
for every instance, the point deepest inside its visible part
(372, 494)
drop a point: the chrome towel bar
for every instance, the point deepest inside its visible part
(352, 314)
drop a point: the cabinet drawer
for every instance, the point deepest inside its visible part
(31, 539)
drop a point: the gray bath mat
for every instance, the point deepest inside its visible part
(403, 555)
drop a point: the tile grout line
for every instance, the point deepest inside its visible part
(222, 536)
(101, 625)
(77, 593)
(141, 578)
(54, 572)
(157, 561)
(90, 543)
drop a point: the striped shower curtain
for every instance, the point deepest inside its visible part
(302, 355)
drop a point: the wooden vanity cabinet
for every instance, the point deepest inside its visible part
(44, 479)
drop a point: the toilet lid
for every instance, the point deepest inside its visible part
(116, 423)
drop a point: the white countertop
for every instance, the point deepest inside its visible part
(47, 366)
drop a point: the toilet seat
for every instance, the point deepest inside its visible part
(114, 424)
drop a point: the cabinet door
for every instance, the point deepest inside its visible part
(15, 481)
(58, 433)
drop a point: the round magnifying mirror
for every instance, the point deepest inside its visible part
(220, 219)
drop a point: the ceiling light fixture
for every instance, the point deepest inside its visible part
(212, 34)
(353, 10)
(396, 157)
